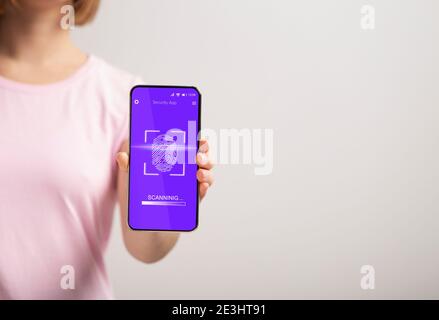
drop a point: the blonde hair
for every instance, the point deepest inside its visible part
(85, 10)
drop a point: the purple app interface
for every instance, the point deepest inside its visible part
(163, 190)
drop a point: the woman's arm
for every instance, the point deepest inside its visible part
(150, 246)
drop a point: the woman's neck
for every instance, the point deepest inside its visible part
(34, 37)
(35, 48)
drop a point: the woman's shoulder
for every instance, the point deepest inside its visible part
(113, 76)
(112, 85)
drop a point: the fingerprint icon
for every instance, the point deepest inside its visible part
(164, 153)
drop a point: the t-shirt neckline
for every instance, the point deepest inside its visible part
(30, 87)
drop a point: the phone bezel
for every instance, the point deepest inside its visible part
(129, 148)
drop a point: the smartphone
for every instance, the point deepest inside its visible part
(163, 186)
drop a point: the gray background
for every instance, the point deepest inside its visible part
(356, 144)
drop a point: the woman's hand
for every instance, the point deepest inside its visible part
(152, 246)
(204, 173)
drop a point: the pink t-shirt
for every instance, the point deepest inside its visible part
(58, 181)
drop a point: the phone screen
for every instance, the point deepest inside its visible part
(163, 188)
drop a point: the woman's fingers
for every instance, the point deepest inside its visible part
(203, 159)
(205, 176)
(204, 146)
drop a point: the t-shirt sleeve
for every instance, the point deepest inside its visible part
(124, 131)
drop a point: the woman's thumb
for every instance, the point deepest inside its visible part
(122, 161)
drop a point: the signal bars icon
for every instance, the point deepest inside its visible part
(178, 94)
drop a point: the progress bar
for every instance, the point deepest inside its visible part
(164, 203)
